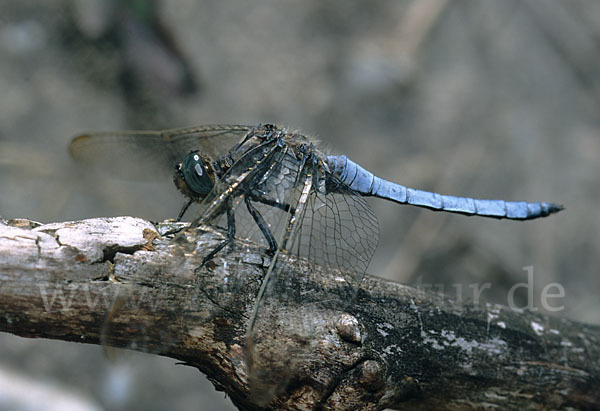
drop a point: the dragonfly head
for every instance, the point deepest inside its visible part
(195, 176)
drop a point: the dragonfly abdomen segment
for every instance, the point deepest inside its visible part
(368, 184)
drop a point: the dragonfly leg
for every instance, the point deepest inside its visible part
(184, 209)
(270, 202)
(260, 222)
(230, 235)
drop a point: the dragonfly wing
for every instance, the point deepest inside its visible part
(130, 324)
(142, 155)
(337, 230)
(152, 155)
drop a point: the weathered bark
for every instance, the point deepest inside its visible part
(396, 347)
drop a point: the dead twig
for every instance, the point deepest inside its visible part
(397, 347)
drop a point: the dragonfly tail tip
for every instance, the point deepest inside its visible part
(555, 208)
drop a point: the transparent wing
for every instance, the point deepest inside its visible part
(130, 325)
(333, 227)
(339, 230)
(151, 155)
(145, 155)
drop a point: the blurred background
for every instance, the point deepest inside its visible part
(477, 98)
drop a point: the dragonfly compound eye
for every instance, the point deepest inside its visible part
(197, 174)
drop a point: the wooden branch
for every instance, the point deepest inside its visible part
(397, 347)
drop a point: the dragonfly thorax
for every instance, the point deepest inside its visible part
(195, 176)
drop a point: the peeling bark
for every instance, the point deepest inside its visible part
(117, 281)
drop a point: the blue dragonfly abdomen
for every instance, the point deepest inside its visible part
(368, 184)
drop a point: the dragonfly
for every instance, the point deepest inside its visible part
(275, 186)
